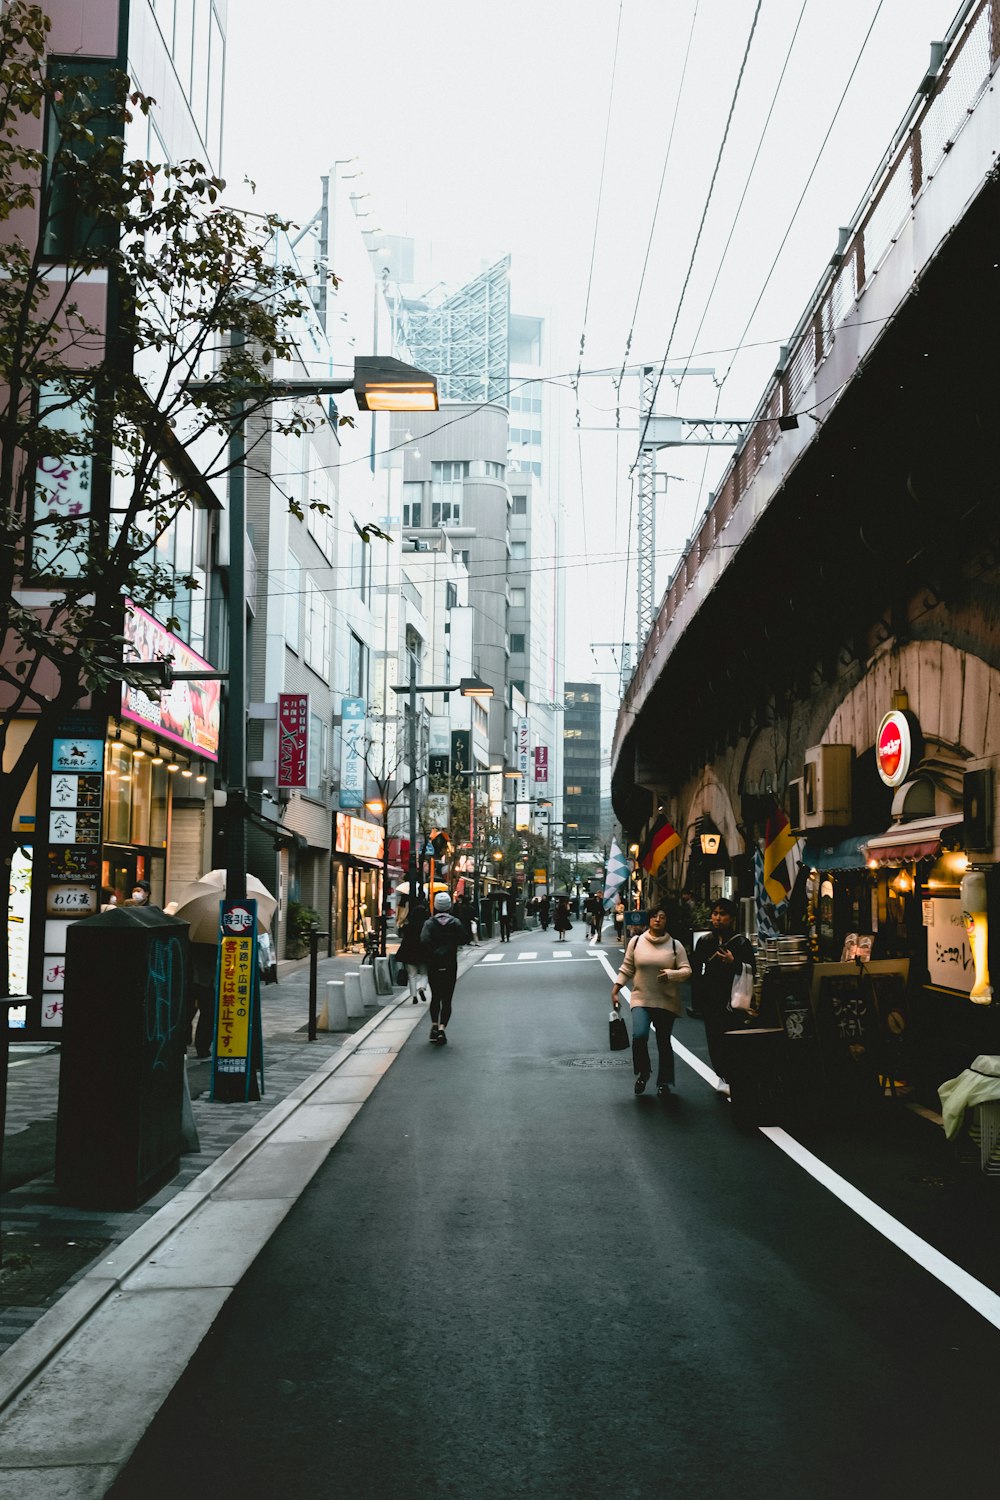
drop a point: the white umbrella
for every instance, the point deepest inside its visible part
(198, 905)
(403, 888)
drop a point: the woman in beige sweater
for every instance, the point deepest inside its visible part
(656, 966)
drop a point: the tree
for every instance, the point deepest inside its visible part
(102, 446)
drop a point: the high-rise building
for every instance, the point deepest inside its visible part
(582, 761)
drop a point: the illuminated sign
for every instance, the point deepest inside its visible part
(893, 748)
(541, 763)
(189, 712)
(353, 727)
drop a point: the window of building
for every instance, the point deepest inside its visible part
(318, 630)
(519, 550)
(573, 791)
(519, 505)
(446, 512)
(450, 472)
(69, 228)
(314, 765)
(493, 470)
(293, 602)
(517, 643)
(518, 598)
(413, 495)
(358, 668)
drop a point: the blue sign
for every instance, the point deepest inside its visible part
(77, 755)
(353, 731)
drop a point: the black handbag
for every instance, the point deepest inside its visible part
(401, 974)
(617, 1032)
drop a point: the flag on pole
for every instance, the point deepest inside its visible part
(767, 925)
(663, 837)
(782, 856)
(617, 874)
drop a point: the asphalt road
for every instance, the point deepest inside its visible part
(513, 1278)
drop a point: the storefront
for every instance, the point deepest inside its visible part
(122, 795)
(357, 879)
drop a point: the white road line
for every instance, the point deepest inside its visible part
(561, 953)
(491, 958)
(525, 957)
(972, 1292)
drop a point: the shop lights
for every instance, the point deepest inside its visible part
(187, 771)
(173, 766)
(201, 778)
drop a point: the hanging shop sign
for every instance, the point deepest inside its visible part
(293, 739)
(894, 747)
(541, 763)
(357, 837)
(949, 950)
(188, 713)
(72, 865)
(353, 712)
(523, 753)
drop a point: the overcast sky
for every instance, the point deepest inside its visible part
(483, 126)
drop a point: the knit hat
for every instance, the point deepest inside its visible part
(442, 901)
(142, 885)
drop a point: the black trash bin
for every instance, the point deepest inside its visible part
(121, 1074)
(755, 1060)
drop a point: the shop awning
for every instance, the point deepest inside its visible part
(849, 854)
(905, 843)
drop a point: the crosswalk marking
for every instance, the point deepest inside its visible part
(522, 956)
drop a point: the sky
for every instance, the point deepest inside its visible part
(583, 137)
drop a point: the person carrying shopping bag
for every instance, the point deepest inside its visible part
(655, 966)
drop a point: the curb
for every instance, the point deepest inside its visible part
(28, 1357)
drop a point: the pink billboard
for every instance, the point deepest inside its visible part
(187, 713)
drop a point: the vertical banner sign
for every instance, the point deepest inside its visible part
(237, 995)
(542, 764)
(293, 739)
(73, 856)
(352, 752)
(523, 754)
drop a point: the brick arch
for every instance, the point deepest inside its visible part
(711, 799)
(955, 695)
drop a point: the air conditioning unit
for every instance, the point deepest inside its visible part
(826, 799)
(796, 802)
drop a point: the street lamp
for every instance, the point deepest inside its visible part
(375, 383)
(469, 687)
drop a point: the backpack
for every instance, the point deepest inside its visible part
(443, 935)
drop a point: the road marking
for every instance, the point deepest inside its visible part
(491, 958)
(526, 957)
(561, 953)
(972, 1292)
(977, 1296)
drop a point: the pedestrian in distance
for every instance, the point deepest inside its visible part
(505, 911)
(545, 912)
(141, 894)
(411, 952)
(619, 918)
(442, 936)
(562, 923)
(717, 960)
(655, 966)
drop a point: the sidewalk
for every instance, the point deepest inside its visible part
(48, 1247)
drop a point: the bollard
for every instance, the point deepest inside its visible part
(314, 937)
(336, 1006)
(368, 987)
(383, 976)
(353, 995)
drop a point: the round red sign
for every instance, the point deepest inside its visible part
(892, 748)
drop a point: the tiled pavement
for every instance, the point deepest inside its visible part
(48, 1246)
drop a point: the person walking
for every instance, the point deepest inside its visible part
(545, 912)
(717, 959)
(562, 923)
(619, 918)
(411, 949)
(656, 965)
(442, 936)
(505, 910)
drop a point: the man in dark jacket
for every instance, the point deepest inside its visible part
(717, 960)
(442, 936)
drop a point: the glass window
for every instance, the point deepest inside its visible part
(69, 228)
(314, 768)
(142, 778)
(199, 65)
(519, 550)
(518, 598)
(117, 792)
(184, 43)
(216, 73)
(446, 512)
(358, 668)
(517, 643)
(520, 505)
(293, 602)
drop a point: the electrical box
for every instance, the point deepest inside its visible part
(827, 786)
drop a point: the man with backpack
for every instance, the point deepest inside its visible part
(441, 938)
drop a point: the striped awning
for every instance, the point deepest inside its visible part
(906, 843)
